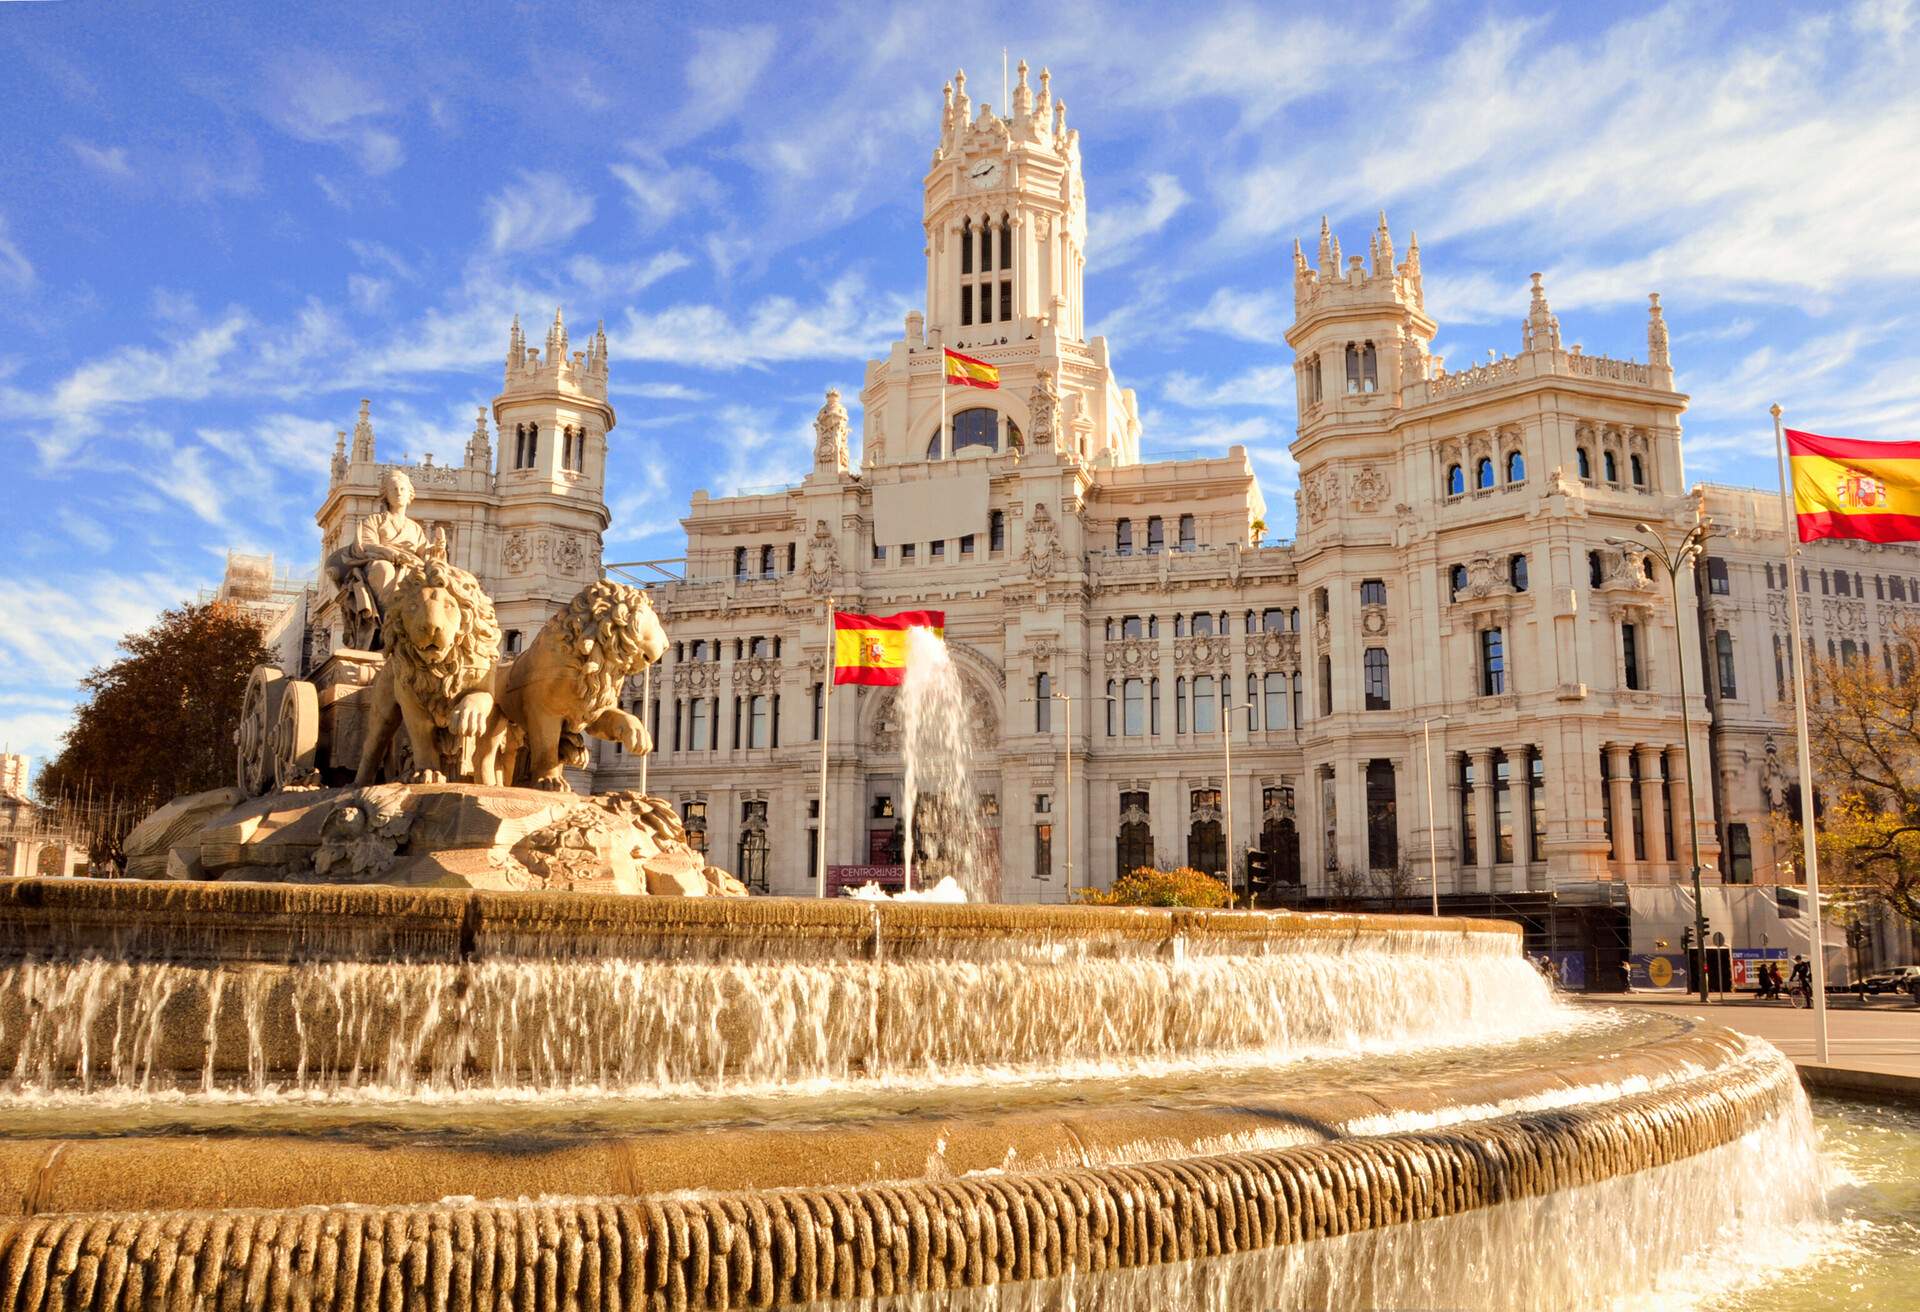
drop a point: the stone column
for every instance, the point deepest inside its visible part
(1483, 815)
(1449, 793)
(1620, 788)
(1653, 805)
(1678, 797)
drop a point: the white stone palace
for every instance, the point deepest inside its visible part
(1458, 571)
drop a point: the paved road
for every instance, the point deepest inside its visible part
(1883, 1037)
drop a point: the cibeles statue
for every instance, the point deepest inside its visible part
(364, 571)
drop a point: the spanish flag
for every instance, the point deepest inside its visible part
(965, 371)
(1846, 488)
(872, 649)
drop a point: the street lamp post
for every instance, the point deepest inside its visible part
(1673, 560)
(1433, 827)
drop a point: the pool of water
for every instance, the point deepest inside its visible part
(1866, 1256)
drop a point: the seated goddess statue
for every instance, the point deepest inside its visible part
(363, 572)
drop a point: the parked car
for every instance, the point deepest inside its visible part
(1900, 979)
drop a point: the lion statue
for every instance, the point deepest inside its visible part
(567, 683)
(440, 637)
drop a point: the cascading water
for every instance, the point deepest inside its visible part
(944, 829)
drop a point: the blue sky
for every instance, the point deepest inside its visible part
(221, 225)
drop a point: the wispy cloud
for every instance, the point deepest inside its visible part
(315, 99)
(537, 210)
(1116, 230)
(849, 322)
(15, 269)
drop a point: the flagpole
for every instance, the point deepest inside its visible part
(826, 732)
(1810, 852)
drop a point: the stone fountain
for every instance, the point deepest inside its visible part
(408, 1040)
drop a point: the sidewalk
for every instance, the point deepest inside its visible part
(1872, 1051)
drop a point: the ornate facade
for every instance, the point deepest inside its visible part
(1463, 570)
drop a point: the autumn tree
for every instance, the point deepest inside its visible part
(158, 722)
(1864, 729)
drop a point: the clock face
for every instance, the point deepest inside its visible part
(985, 173)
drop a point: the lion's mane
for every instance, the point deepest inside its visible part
(468, 664)
(600, 634)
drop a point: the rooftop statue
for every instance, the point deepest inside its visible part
(365, 571)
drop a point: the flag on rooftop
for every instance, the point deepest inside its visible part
(872, 649)
(965, 371)
(1847, 488)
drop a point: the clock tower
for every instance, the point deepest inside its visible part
(1005, 214)
(1006, 218)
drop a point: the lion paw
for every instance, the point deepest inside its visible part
(426, 777)
(557, 784)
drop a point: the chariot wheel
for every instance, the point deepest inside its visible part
(259, 711)
(295, 743)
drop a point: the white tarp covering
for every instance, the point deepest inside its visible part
(951, 503)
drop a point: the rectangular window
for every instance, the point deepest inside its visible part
(966, 305)
(937, 549)
(1373, 592)
(1503, 812)
(1180, 705)
(1043, 851)
(1841, 585)
(757, 721)
(1379, 697)
(819, 708)
(1276, 685)
(906, 553)
(1469, 850)
(1717, 581)
(766, 562)
(966, 544)
(1630, 654)
(1739, 855)
(1123, 538)
(1042, 702)
(1006, 298)
(1130, 626)
(1186, 533)
(1299, 698)
(1043, 803)
(1493, 663)
(1383, 823)
(1536, 804)
(698, 735)
(1273, 620)
(1134, 697)
(997, 530)
(1202, 625)
(1156, 535)
(1723, 662)
(736, 724)
(1153, 707)
(879, 552)
(793, 555)
(1253, 703)
(739, 562)
(1205, 707)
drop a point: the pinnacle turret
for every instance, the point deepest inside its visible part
(1541, 331)
(1658, 355)
(363, 434)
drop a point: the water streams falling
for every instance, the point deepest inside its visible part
(936, 746)
(386, 1029)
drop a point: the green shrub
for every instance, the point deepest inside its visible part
(1147, 887)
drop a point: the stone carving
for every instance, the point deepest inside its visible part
(361, 837)
(1043, 405)
(570, 556)
(1373, 620)
(756, 674)
(1132, 656)
(1369, 488)
(364, 572)
(830, 436)
(1201, 653)
(1319, 493)
(1042, 552)
(823, 559)
(568, 682)
(518, 554)
(440, 637)
(1274, 650)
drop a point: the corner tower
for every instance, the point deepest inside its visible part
(553, 419)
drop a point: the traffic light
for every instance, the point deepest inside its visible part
(1686, 939)
(1259, 872)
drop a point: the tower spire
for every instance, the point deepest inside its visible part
(1382, 248)
(1657, 352)
(1542, 330)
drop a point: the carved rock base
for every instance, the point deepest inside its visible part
(450, 835)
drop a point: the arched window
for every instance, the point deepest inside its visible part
(1456, 480)
(1594, 571)
(1206, 843)
(1610, 467)
(1006, 244)
(1517, 573)
(754, 846)
(1113, 712)
(979, 426)
(1638, 470)
(1516, 467)
(1369, 369)
(933, 448)
(966, 247)
(1723, 659)
(1483, 474)
(1353, 369)
(1456, 582)
(1134, 848)
(1583, 462)
(533, 445)
(1326, 685)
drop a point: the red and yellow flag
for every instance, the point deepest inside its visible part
(965, 371)
(1846, 488)
(872, 649)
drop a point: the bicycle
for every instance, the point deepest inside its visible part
(1799, 996)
